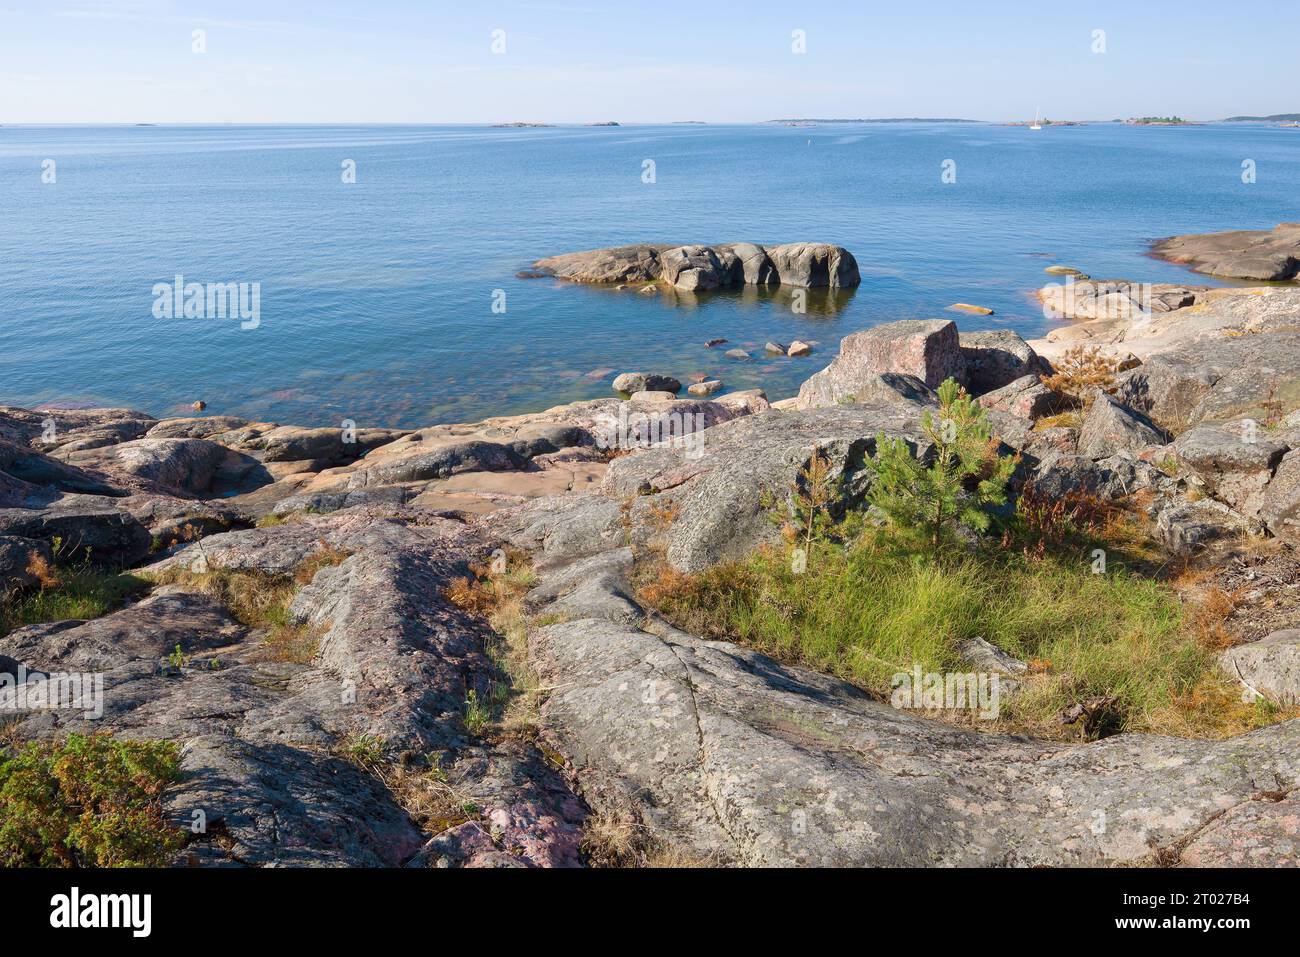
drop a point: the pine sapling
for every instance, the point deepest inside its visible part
(965, 478)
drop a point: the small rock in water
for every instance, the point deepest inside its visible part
(706, 388)
(631, 382)
(1065, 271)
(737, 354)
(199, 406)
(967, 307)
(714, 342)
(652, 395)
(799, 348)
(649, 290)
(775, 348)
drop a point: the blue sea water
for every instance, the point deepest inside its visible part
(377, 296)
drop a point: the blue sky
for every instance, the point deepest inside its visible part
(402, 61)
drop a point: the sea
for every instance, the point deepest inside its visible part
(383, 263)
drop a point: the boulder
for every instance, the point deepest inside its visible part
(435, 461)
(32, 468)
(1233, 461)
(1116, 300)
(799, 348)
(890, 388)
(293, 444)
(814, 265)
(1185, 527)
(193, 467)
(205, 427)
(996, 359)
(930, 350)
(1025, 398)
(649, 395)
(1110, 427)
(636, 263)
(706, 388)
(697, 268)
(51, 430)
(755, 267)
(1280, 510)
(1269, 667)
(630, 382)
(185, 464)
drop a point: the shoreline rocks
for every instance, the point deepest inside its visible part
(710, 747)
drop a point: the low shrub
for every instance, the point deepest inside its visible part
(91, 801)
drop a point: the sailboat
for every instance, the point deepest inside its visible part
(1037, 125)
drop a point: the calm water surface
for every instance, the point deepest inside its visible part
(376, 297)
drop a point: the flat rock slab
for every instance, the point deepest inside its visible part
(263, 741)
(1218, 379)
(732, 756)
(1271, 255)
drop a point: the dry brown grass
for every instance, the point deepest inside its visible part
(40, 568)
(1216, 708)
(1210, 617)
(262, 601)
(1071, 419)
(1080, 370)
(497, 593)
(612, 841)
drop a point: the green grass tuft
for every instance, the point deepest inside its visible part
(865, 613)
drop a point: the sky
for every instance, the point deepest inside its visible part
(579, 61)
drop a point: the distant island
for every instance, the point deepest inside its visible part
(606, 123)
(1275, 118)
(522, 126)
(895, 119)
(1161, 121)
